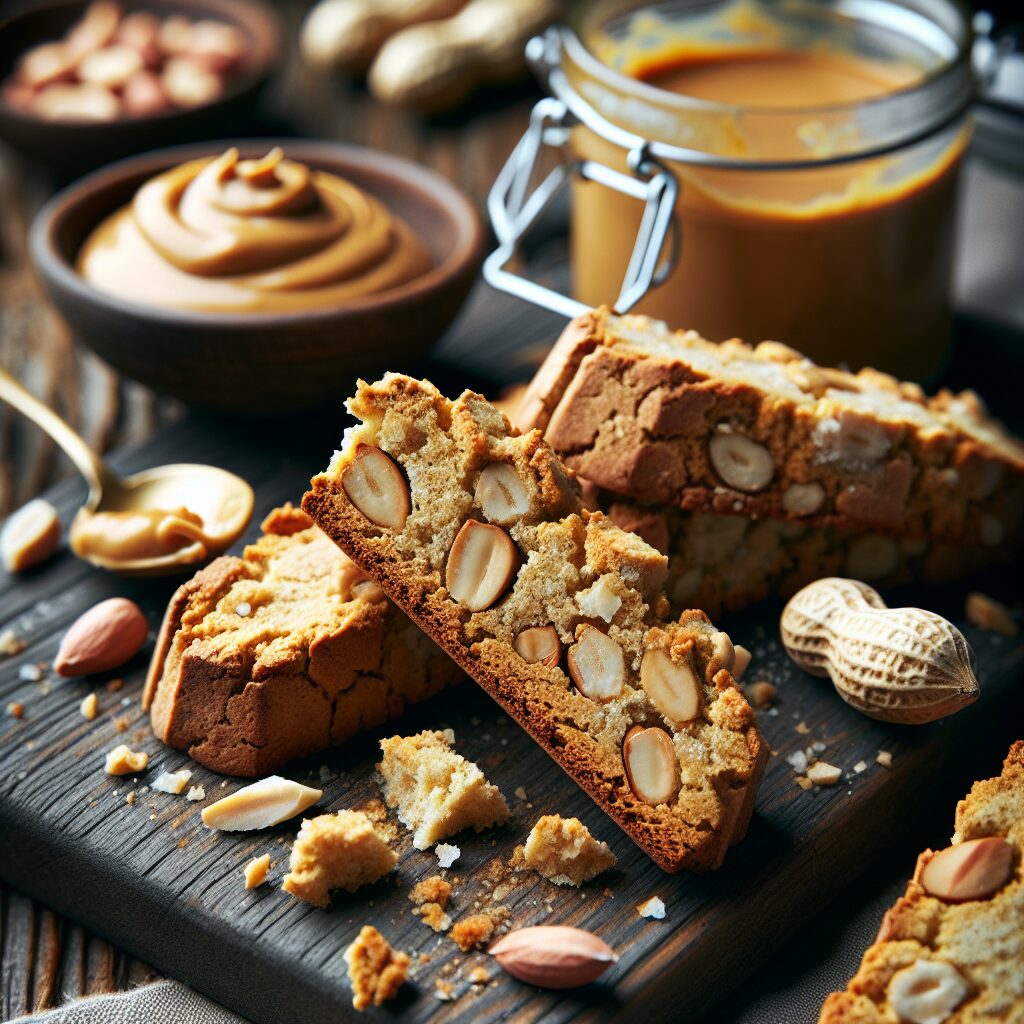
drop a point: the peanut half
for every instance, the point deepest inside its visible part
(597, 665)
(672, 685)
(375, 485)
(501, 495)
(481, 565)
(539, 645)
(973, 870)
(264, 803)
(651, 765)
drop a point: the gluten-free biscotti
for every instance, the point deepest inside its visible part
(762, 431)
(282, 652)
(478, 534)
(951, 950)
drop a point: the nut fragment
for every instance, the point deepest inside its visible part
(762, 693)
(29, 536)
(539, 645)
(741, 661)
(264, 803)
(742, 464)
(501, 494)
(76, 103)
(144, 95)
(927, 991)
(671, 684)
(188, 84)
(553, 956)
(803, 499)
(256, 871)
(107, 635)
(987, 613)
(124, 761)
(651, 765)
(375, 485)
(597, 665)
(481, 565)
(824, 774)
(110, 67)
(973, 870)
(88, 707)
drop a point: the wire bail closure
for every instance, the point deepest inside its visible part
(514, 209)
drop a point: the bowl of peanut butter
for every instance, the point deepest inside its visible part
(258, 276)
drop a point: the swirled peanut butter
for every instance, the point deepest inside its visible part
(139, 534)
(250, 236)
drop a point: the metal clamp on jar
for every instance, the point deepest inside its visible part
(815, 205)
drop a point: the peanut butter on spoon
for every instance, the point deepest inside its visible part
(152, 523)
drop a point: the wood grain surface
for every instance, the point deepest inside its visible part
(149, 877)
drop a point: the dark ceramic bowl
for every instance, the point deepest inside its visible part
(255, 361)
(67, 148)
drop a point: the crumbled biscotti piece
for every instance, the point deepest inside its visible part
(431, 897)
(375, 970)
(256, 871)
(951, 950)
(477, 929)
(336, 851)
(436, 791)
(764, 432)
(478, 534)
(283, 652)
(563, 851)
(723, 563)
(122, 760)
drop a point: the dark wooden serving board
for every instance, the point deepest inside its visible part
(152, 879)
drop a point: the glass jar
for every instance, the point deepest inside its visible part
(825, 222)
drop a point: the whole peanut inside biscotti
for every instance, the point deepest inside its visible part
(492, 519)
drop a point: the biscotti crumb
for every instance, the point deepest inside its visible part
(336, 851)
(431, 897)
(520, 793)
(762, 694)
(256, 871)
(123, 761)
(884, 758)
(16, 709)
(375, 970)
(10, 643)
(987, 613)
(436, 791)
(563, 851)
(87, 709)
(804, 783)
(477, 929)
(443, 990)
(172, 782)
(131, 797)
(652, 907)
(447, 854)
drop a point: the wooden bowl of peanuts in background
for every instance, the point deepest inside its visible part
(202, 74)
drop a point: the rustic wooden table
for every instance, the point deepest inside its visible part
(45, 959)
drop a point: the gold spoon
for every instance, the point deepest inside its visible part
(122, 517)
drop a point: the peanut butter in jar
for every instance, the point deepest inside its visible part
(817, 196)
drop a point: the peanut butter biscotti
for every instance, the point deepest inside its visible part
(283, 652)
(762, 431)
(951, 951)
(478, 534)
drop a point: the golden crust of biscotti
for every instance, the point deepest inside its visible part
(308, 665)
(982, 939)
(633, 407)
(442, 447)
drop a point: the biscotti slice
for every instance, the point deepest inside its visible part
(282, 652)
(478, 534)
(336, 851)
(563, 851)
(436, 791)
(724, 563)
(664, 416)
(951, 951)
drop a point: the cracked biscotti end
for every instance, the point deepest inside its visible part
(436, 791)
(951, 951)
(282, 652)
(762, 431)
(563, 851)
(478, 534)
(336, 851)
